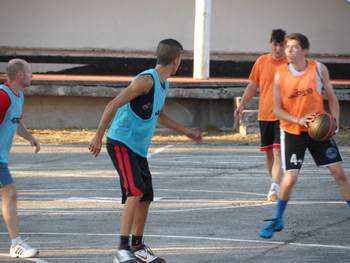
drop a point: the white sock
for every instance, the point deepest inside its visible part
(275, 186)
(16, 241)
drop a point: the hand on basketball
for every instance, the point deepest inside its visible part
(195, 135)
(95, 146)
(304, 121)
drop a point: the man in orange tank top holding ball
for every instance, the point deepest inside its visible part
(297, 98)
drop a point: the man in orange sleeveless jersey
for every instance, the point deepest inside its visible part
(261, 77)
(297, 99)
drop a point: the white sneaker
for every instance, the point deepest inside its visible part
(125, 256)
(146, 255)
(23, 250)
(272, 196)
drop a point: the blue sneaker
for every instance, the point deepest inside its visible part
(276, 225)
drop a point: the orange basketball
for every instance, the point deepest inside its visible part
(322, 128)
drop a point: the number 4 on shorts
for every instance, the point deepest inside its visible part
(294, 160)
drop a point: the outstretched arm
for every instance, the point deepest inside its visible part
(165, 120)
(139, 86)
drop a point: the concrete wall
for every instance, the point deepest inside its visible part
(237, 26)
(56, 112)
(60, 112)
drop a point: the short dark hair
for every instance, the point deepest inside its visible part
(167, 50)
(277, 35)
(302, 39)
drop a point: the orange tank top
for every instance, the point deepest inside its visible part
(299, 95)
(263, 74)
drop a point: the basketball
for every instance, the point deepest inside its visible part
(322, 128)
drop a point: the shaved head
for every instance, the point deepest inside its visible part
(17, 65)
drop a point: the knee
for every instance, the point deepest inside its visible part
(339, 175)
(290, 180)
(9, 193)
(13, 196)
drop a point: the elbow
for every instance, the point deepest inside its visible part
(112, 107)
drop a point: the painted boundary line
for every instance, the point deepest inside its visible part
(159, 150)
(234, 240)
(36, 260)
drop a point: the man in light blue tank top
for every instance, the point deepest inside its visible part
(11, 104)
(132, 117)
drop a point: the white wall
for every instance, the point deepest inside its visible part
(246, 24)
(237, 25)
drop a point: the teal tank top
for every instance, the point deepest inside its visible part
(135, 132)
(9, 125)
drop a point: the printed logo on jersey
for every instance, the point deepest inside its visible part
(147, 106)
(331, 153)
(301, 93)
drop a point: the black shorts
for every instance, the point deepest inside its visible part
(269, 135)
(134, 174)
(293, 149)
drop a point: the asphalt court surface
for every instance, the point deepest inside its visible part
(210, 204)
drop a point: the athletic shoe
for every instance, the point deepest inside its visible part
(275, 225)
(146, 255)
(125, 256)
(272, 196)
(23, 250)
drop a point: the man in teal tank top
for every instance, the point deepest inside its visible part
(133, 116)
(11, 104)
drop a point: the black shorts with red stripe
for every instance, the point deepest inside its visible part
(269, 135)
(134, 174)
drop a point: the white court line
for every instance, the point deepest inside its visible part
(151, 211)
(154, 211)
(91, 199)
(251, 174)
(210, 191)
(226, 156)
(158, 150)
(36, 260)
(27, 166)
(234, 240)
(167, 190)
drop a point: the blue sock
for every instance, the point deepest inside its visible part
(281, 206)
(348, 202)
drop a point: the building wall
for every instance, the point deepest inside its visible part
(57, 112)
(62, 112)
(237, 26)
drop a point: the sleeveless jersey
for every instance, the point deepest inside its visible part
(299, 95)
(9, 125)
(135, 132)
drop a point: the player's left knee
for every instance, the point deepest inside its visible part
(339, 174)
